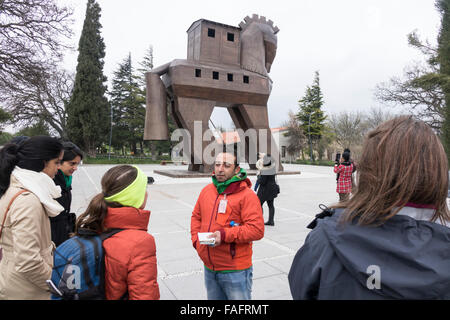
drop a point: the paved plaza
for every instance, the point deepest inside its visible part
(171, 200)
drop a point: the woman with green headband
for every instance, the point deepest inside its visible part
(130, 255)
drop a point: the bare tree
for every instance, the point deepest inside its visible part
(30, 38)
(42, 98)
(376, 116)
(348, 128)
(296, 137)
(420, 89)
(326, 143)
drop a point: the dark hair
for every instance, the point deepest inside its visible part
(346, 155)
(402, 161)
(19, 140)
(113, 181)
(71, 151)
(233, 150)
(31, 154)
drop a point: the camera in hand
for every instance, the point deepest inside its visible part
(338, 158)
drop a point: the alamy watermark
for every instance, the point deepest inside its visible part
(73, 273)
(205, 145)
(374, 279)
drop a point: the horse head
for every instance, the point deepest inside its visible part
(258, 44)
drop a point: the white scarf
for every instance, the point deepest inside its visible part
(43, 187)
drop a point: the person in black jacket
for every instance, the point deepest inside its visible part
(268, 188)
(64, 224)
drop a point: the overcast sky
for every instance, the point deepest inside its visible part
(354, 44)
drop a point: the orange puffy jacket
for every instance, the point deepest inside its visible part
(244, 208)
(130, 256)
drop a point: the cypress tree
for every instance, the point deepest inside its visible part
(88, 112)
(311, 116)
(444, 61)
(128, 103)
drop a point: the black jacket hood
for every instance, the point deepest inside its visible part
(412, 257)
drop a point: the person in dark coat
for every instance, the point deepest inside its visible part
(268, 188)
(391, 239)
(64, 224)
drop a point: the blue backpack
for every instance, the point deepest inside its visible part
(79, 267)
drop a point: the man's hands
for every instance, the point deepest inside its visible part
(215, 235)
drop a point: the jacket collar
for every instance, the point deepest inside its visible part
(238, 186)
(127, 218)
(421, 213)
(61, 181)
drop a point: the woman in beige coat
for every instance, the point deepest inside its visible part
(27, 249)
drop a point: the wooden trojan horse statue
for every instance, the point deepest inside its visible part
(226, 66)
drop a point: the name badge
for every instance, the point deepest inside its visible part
(222, 206)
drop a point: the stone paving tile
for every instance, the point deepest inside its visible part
(262, 269)
(187, 287)
(164, 291)
(270, 287)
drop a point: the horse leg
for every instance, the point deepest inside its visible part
(193, 115)
(256, 117)
(240, 123)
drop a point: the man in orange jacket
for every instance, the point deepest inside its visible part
(231, 212)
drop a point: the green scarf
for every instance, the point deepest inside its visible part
(221, 186)
(68, 179)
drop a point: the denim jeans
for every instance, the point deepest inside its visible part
(229, 286)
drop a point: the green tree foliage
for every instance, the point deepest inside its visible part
(4, 117)
(38, 129)
(128, 103)
(311, 116)
(157, 147)
(5, 137)
(88, 112)
(443, 58)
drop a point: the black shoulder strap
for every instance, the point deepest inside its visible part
(109, 233)
(84, 264)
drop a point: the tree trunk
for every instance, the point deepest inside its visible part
(153, 147)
